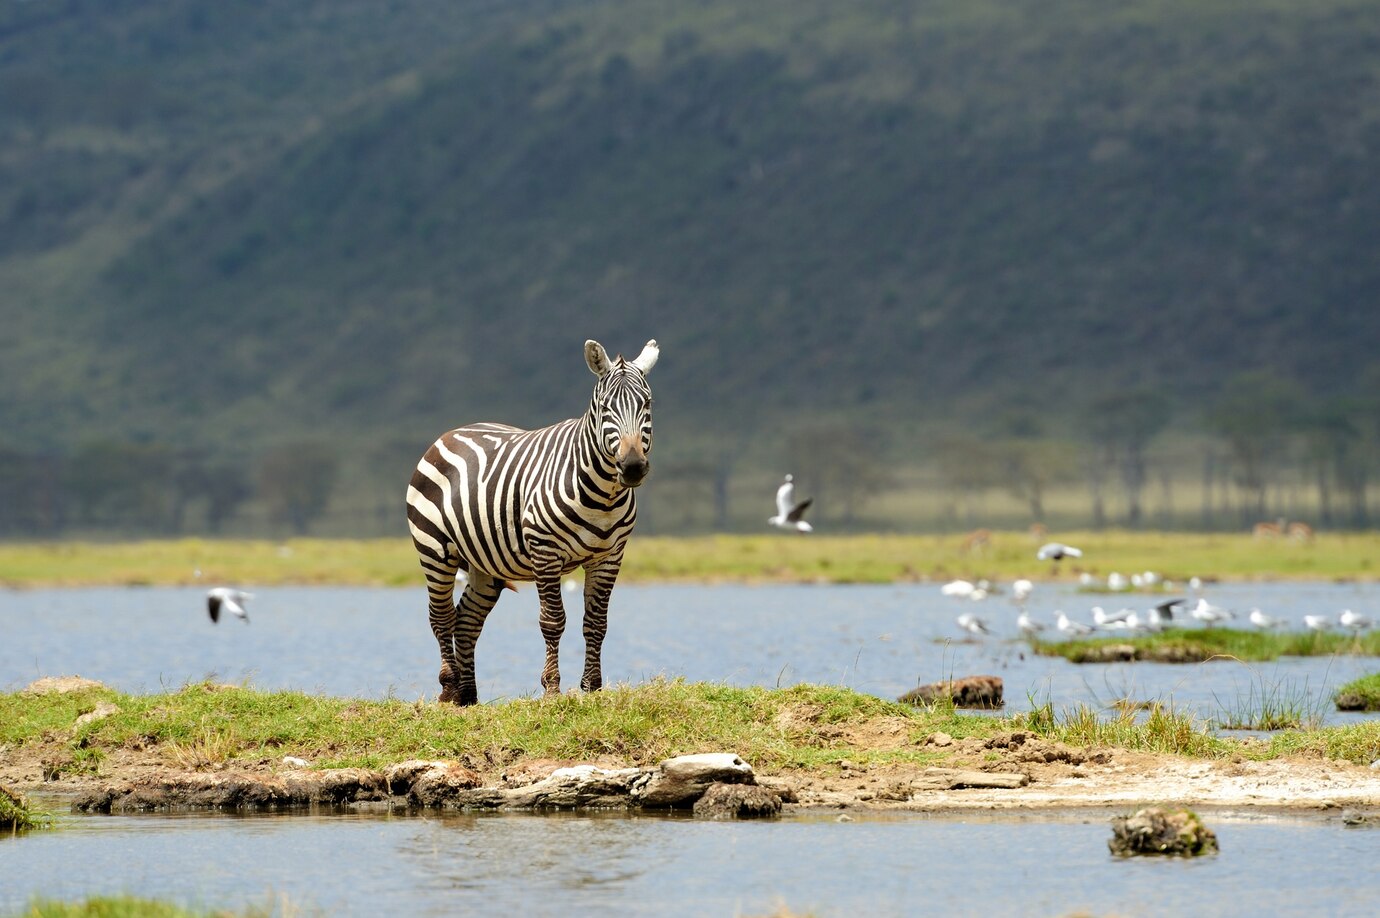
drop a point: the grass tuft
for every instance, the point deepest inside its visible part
(1196, 645)
(1361, 694)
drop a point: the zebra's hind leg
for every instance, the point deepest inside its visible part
(441, 611)
(476, 602)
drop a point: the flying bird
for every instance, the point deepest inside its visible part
(229, 599)
(1057, 551)
(789, 514)
(1162, 615)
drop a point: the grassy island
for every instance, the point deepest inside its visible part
(1196, 645)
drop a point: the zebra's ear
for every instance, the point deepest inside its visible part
(647, 359)
(597, 359)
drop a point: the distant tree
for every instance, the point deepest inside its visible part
(968, 467)
(1332, 439)
(1123, 424)
(1254, 414)
(842, 463)
(29, 493)
(121, 485)
(1030, 466)
(295, 482)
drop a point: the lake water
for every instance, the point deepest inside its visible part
(573, 865)
(876, 639)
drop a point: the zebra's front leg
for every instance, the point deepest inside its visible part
(552, 620)
(599, 580)
(475, 605)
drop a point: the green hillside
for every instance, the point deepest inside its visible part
(239, 225)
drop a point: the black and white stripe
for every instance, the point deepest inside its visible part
(504, 504)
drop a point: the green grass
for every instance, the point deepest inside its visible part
(138, 907)
(836, 559)
(1194, 645)
(1361, 694)
(1161, 729)
(805, 726)
(1281, 705)
(16, 815)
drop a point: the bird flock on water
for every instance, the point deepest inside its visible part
(1123, 620)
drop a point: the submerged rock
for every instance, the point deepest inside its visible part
(967, 692)
(1158, 831)
(737, 801)
(234, 791)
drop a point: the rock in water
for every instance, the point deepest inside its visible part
(737, 801)
(968, 692)
(1154, 830)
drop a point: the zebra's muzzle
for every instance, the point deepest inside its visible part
(632, 470)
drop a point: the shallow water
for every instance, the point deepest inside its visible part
(602, 865)
(877, 639)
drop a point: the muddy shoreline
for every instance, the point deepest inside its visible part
(1025, 773)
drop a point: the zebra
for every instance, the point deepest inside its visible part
(500, 504)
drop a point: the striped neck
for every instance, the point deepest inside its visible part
(596, 473)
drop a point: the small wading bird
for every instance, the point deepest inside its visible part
(1353, 620)
(1057, 551)
(1209, 614)
(1071, 627)
(972, 624)
(228, 599)
(1029, 627)
(1317, 622)
(1261, 620)
(789, 514)
(1021, 590)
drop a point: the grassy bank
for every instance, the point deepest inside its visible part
(803, 727)
(15, 814)
(1361, 694)
(1194, 645)
(843, 559)
(138, 907)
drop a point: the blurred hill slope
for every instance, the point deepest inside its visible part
(240, 222)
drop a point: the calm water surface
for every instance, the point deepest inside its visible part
(592, 865)
(878, 639)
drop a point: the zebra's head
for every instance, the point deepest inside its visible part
(622, 410)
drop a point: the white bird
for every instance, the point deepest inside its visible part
(1086, 579)
(1116, 582)
(972, 624)
(1209, 614)
(1353, 620)
(1261, 620)
(1021, 590)
(1103, 618)
(1162, 615)
(1029, 627)
(229, 599)
(1317, 622)
(1057, 551)
(960, 588)
(789, 514)
(1069, 626)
